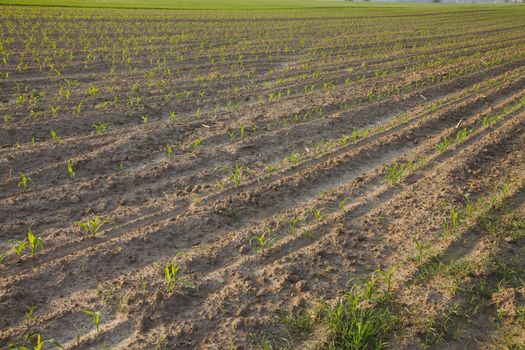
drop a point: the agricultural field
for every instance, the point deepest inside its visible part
(262, 176)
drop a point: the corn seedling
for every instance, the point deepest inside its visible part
(33, 242)
(421, 250)
(294, 158)
(446, 228)
(169, 150)
(270, 169)
(172, 116)
(55, 137)
(355, 135)
(454, 213)
(196, 144)
(488, 121)
(92, 226)
(24, 182)
(93, 90)
(100, 127)
(29, 317)
(242, 127)
(343, 203)
(171, 275)
(145, 119)
(443, 145)
(40, 344)
(397, 173)
(462, 135)
(236, 175)
(54, 110)
(261, 242)
(292, 225)
(316, 213)
(70, 168)
(19, 247)
(95, 318)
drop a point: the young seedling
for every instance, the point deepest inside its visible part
(145, 119)
(95, 318)
(454, 213)
(24, 182)
(462, 135)
(293, 225)
(316, 214)
(169, 150)
(33, 242)
(196, 144)
(421, 249)
(19, 247)
(171, 275)
(343, 203)
(242, 127)
(29, 317)
(270, 168)
(172, 116)
(54, 109)
(100, 127)
(92, 226)
(262, 241)
(55, 137)
(236, 175)
(40, 344)
(70, 168)
(443, 145)
(294, 158)
(398, 172)
(93, 90)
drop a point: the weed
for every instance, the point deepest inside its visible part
(362, 319)
(169, 150)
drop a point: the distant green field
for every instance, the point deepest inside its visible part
(230, 4)
(184, 4)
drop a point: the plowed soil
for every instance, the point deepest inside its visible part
(389, 89)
